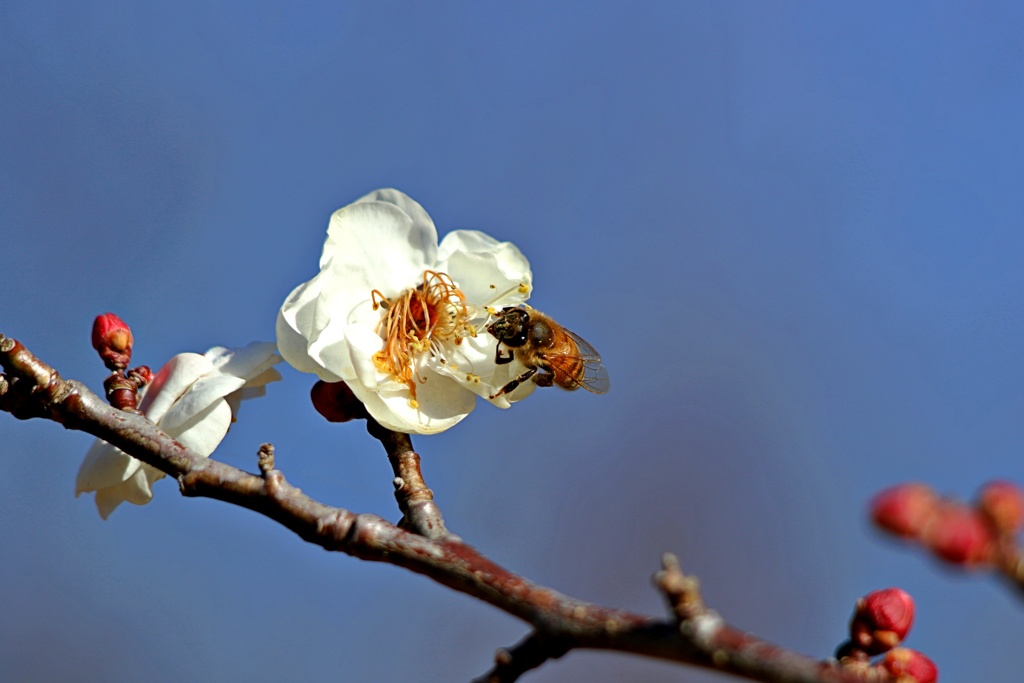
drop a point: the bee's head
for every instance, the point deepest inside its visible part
(511, 327)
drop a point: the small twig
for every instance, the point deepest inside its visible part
(681, 591)
(420, 514)
(265, 458)
(529, 653)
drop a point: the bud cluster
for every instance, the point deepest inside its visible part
(113, 340)
(962, 534)
(881, 620)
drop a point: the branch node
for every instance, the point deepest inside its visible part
(681, 591)
(272, 483)
(122, 392)
(512, 662)
(420, 513)
(703, 629)
(265, 458)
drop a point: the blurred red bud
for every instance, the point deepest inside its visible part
(112, 338)
(1002, 503)
(336, 402)
(959, 535)
(904, 509)
(908, 666)
(881, 620)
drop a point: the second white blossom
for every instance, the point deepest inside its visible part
(194, 399)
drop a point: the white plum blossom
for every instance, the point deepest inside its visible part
(194, 399)
(401, 319)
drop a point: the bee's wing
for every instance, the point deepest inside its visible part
(595, 376)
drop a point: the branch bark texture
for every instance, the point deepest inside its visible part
(29, 388)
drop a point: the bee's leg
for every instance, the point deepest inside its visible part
(500, 359)
(544, 379)
(511, 386)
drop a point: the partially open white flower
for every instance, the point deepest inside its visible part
(193, 399)
(401, 319)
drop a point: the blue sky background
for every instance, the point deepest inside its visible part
(794, 231)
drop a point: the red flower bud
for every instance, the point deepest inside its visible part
(959, 535)
(910, 666)
(112, 338)
(336, 402)
(1002, 503)
(904, 509)
(881, 620)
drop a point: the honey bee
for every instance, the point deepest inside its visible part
(551, 353)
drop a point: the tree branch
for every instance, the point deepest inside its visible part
(420, 513)
(696, 636)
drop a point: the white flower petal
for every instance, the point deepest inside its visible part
(442, 404)
(104, 466)
(152, 474)
(204, 393)
(475, 356)
(254, 388)
(246, 362)
(135, 490)
(407, 204)
(297, 325)
(362, 342)
(330, 354)
(376, 246)
(229, 370)
(204, 432)
(488, 272)
(171, 382)
(257, 386)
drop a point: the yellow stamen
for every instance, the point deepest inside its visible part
(415, 321)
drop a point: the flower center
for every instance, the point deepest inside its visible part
(419, 320)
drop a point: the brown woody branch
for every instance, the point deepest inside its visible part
(696, 636)
(420, 513)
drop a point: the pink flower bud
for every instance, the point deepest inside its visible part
(959, 535)
(881, 620)
(910, 666)
(904, 509)
(112, 338)
(336, 402)
(1002, 503)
